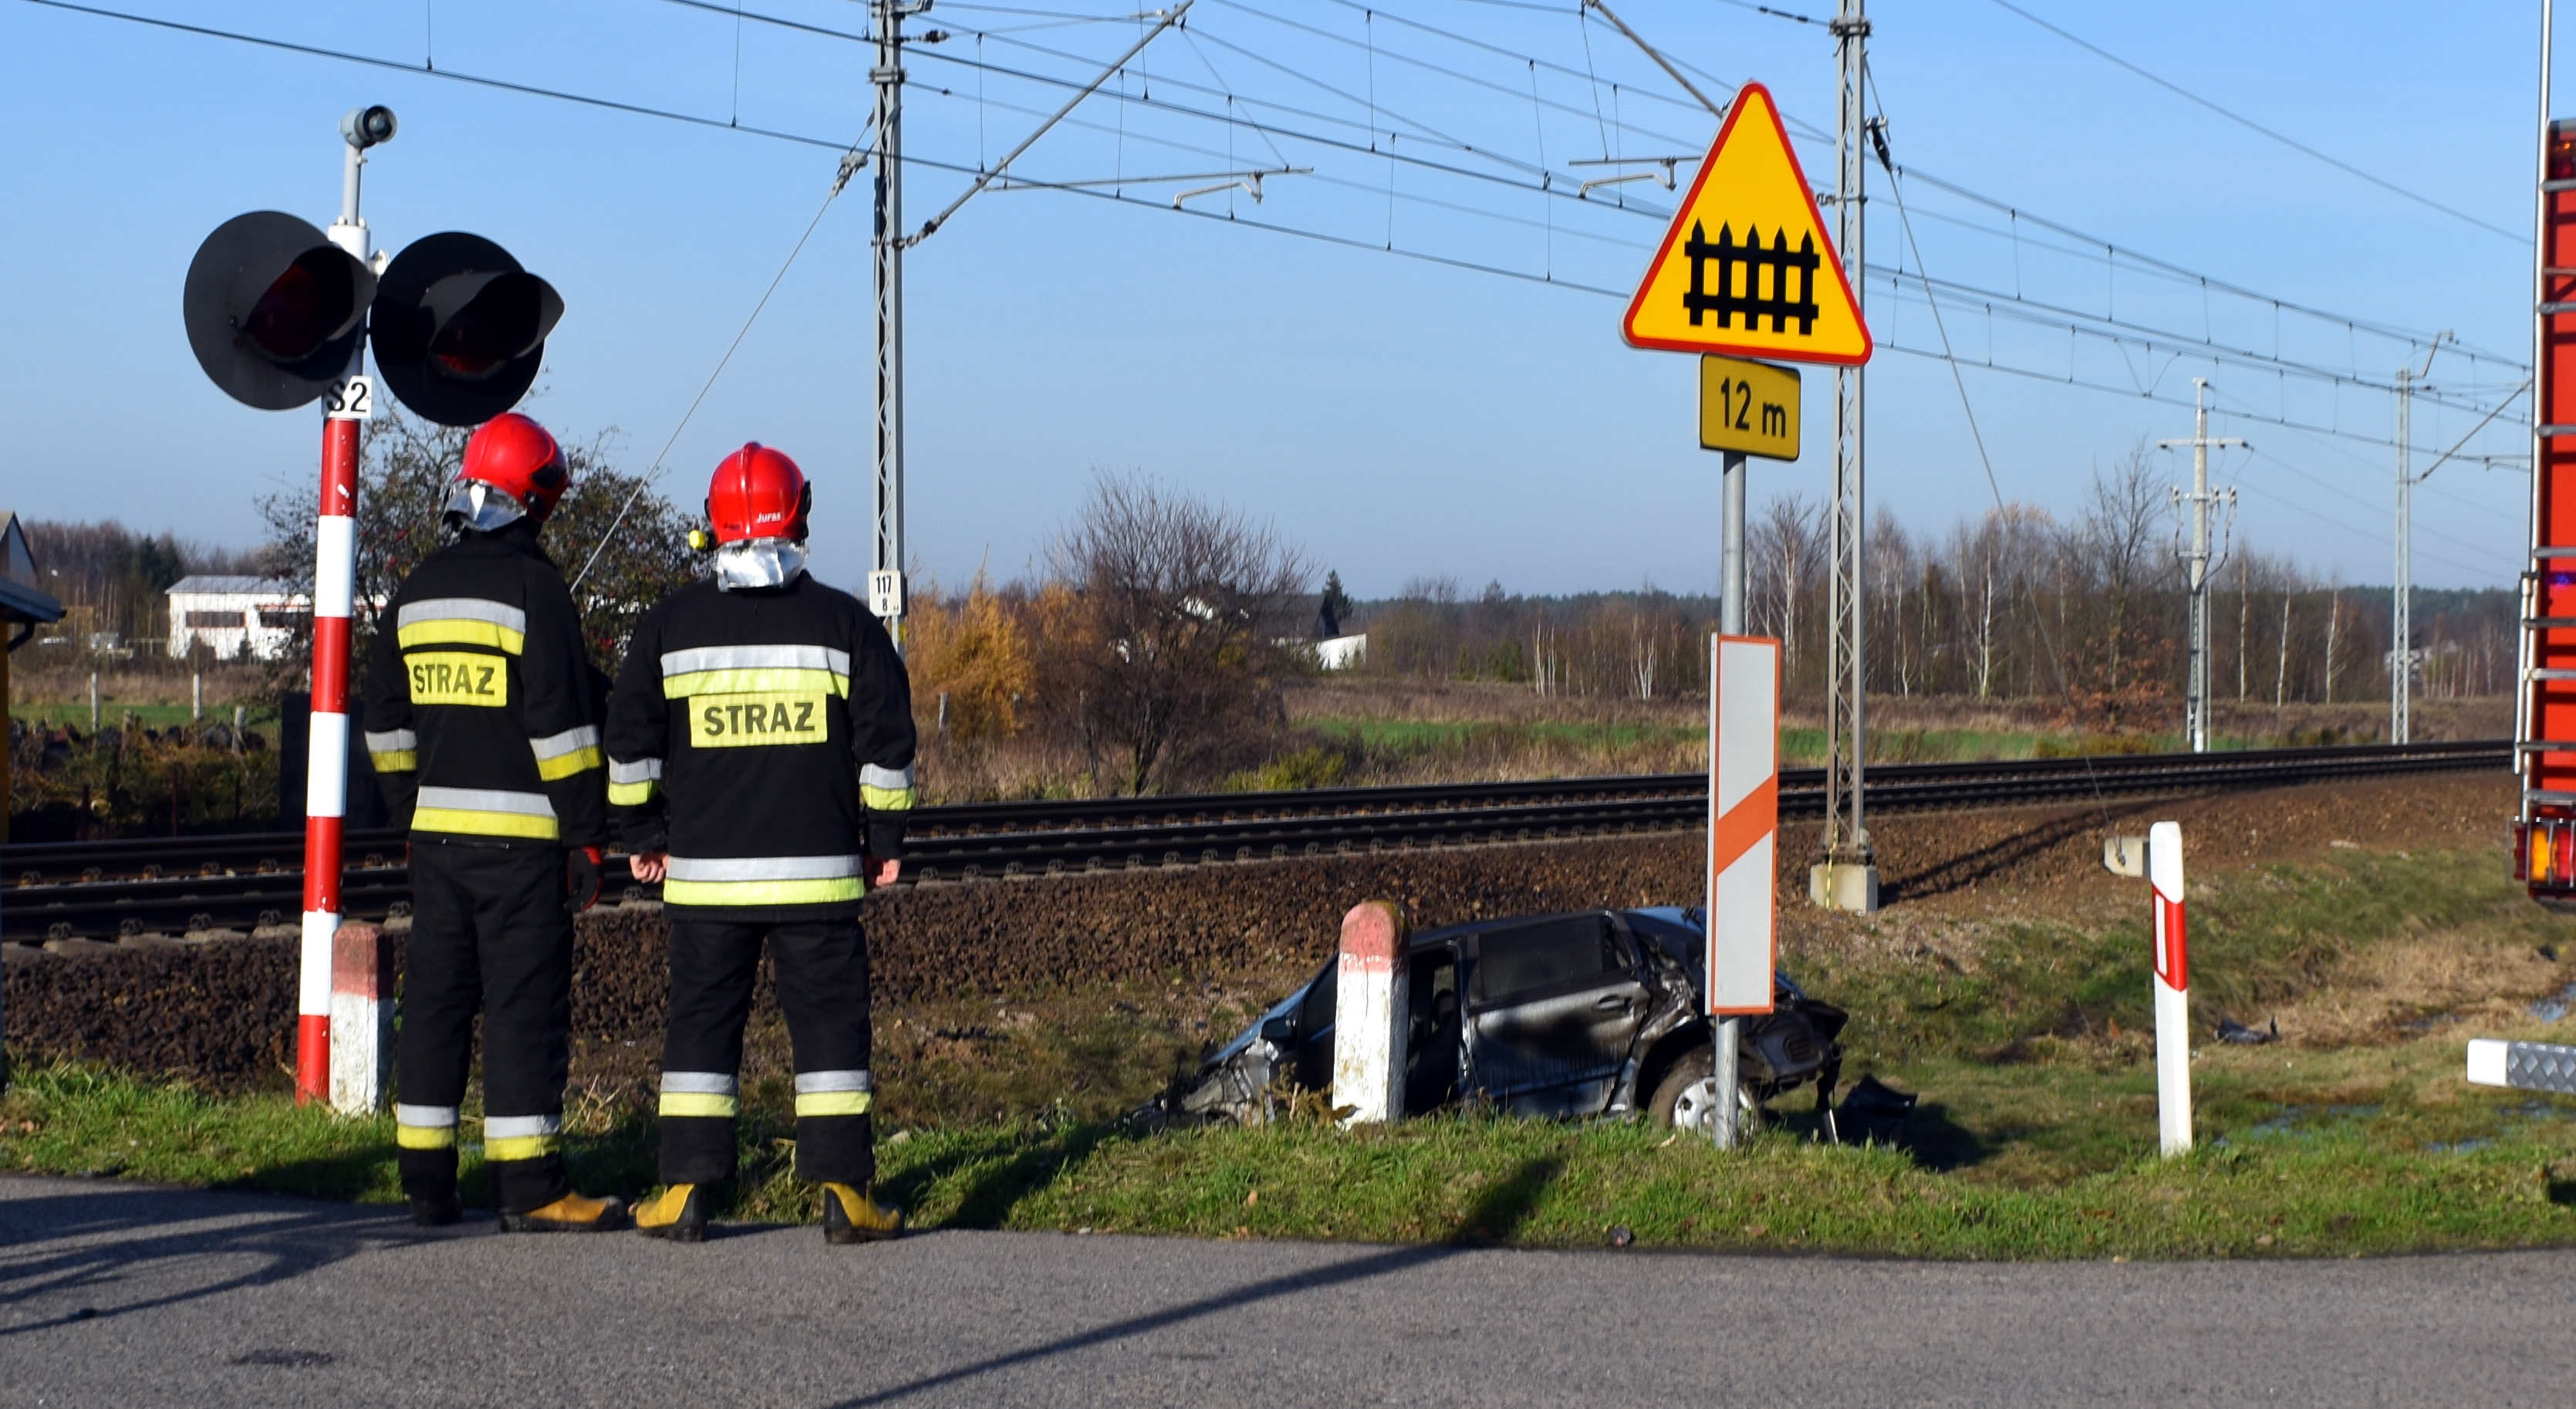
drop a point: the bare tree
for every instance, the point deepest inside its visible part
(1175, 629)
(407, 467)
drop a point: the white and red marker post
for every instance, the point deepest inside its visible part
(326, 769)
(362, 1017)
(2158, 857)
(1743, 845)
(1370, 1004)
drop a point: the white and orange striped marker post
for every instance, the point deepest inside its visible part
(1369, 1009)
(2158, 857)
(362, 1018)
(1743, 847)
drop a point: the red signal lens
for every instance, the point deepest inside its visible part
(306, 306)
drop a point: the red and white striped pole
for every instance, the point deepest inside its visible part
(2173, 991)
(2157, 856)
(326, 771)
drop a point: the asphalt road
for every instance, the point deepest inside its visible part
(116, 1294)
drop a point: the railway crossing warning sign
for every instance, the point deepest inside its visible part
(1747, 267)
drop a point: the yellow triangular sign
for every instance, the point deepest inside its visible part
(1747, 267)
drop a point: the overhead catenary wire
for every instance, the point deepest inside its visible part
(2250, 124)
(851, 163)
(1281, 227)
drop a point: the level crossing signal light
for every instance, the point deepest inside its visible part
(274, 311)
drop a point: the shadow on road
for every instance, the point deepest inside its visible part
(61, 1244)
(1495, 1216)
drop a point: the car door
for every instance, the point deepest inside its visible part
(1552, 1006)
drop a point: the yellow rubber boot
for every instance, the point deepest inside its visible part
(679, 1213)
(851, 1216)
(573, 1213)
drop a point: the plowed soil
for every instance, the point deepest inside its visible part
(222, 1013)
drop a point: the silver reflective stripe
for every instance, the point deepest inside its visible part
(761, 868)
(486, 800)
(515, 1127)
(391, 740)
(698, 658)
(698, 1083)
(465, 608)
(643, 771)
(425, 1117)
(872, 776)
(810, 1082)
(557, 745)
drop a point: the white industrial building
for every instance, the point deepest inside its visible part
(235, 616)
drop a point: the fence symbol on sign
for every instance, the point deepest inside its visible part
(1771, 279)
(1727, 255)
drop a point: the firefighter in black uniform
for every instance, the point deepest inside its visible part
(760, 763)
(483, 714)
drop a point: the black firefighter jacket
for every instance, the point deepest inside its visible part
(483, 710)
(763, 738)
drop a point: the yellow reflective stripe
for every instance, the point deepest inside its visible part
(519, 1147)
(395, 760)
(886, 799)
(814, 892)
(425, 1137)
(753, 681)
(832, 1103)
(460, 631)
(700, 1103)
(474, 823)
(564, 765)
(631, 794)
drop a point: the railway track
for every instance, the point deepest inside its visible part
(131, 889)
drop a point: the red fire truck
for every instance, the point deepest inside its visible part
(2545, 703)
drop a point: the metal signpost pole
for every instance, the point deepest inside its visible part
(326, 776)
(1731, 580)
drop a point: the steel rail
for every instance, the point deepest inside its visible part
(196, 892)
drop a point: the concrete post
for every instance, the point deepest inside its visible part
(362, 1018)
(1371, 1003)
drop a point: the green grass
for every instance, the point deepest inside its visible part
(111, 714)
(2259, 939)
(2428, 1168)
(2035, 1137)
(1437, 736)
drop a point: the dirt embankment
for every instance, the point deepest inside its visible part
(223, 1013)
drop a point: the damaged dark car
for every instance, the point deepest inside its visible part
(1595, 1012)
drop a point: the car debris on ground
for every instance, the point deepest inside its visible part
(1581, 1014)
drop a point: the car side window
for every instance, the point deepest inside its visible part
(1567, 951)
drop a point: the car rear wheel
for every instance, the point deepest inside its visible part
(1687, 1096)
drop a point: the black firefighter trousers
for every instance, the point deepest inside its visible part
(822, 968)
(489, 934)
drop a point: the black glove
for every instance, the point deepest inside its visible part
(581, 879)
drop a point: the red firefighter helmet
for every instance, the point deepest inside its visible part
(758, 493)
(517, 456)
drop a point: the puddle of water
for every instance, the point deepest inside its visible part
(2295, 1122)
(2550, 1010)
(2459, 1147)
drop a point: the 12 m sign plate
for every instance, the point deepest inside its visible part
(1748, 407)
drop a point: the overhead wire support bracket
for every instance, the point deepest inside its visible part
(1664, 177)
(1660, 61)
(1170, 17)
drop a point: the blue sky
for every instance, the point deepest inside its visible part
(1395, 417)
